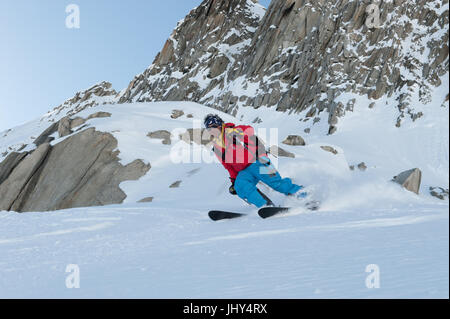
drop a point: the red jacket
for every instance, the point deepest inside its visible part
(237, 148)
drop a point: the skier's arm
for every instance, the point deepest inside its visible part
(231, 171)
(228, 167)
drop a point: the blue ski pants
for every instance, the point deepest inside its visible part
(247, 179)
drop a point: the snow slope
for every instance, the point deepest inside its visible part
(169, 248)
(162, 251)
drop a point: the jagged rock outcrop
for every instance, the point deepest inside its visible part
(279, 152)
(45, 135)
(199, 56)
(9, 163)
(302, 56)
(146, 200)
(307, 53)
(299, 55)
(439, 192)
(410, 180)
(101, 93)
(330, 149)
(12, 187)
(294, 140)
(64, 127)
(83, 170)
(176, 114)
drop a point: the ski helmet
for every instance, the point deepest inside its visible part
(212, 120)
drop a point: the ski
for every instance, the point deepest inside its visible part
(267, 212)
(217, 215)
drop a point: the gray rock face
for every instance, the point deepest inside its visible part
(294, 140)
(9, 163)
(175, 184)
(301, 55)
(206, 45)
(161, 134)
(100, 93)
(76, 122)
(146, 200)
(279, 152)
(176, 114)
(318, 45)
(410, 179)
(45, 136)
(439, 192)
(13, 187)
(83, 170)
(219, 66)
(329, 149)
(64, 127)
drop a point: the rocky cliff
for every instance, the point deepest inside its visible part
(200, 55)
(82, 170)
(300, 56)
(99, 94)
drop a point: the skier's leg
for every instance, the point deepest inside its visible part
(271, 177)
(245, 186)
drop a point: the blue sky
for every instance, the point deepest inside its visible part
(42, 63)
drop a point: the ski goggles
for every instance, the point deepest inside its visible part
(210, 126)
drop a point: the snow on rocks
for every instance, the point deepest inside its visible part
(176, 114)
(330, 149)
(439, 192)
(81, 170)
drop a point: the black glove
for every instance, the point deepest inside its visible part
(232, 190)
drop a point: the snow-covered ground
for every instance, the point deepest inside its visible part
(175, 251)
(170, 249)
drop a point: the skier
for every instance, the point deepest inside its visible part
(244, 156)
